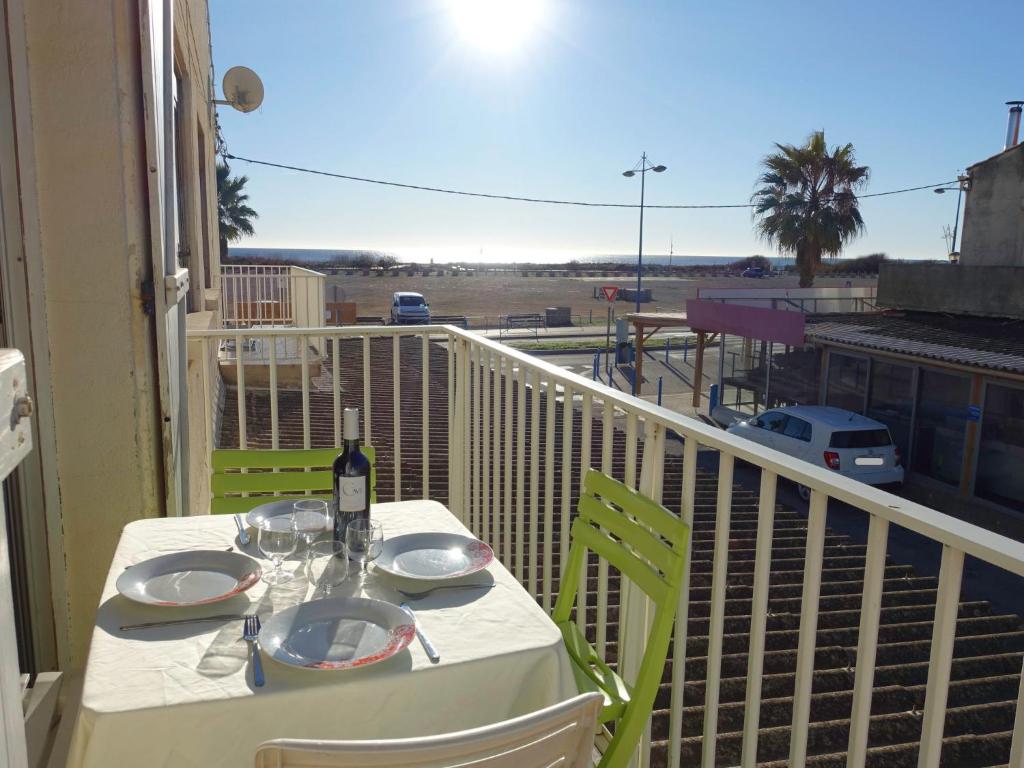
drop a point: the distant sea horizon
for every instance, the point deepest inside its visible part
(341, 256)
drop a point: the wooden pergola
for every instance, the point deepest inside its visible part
(645, 325)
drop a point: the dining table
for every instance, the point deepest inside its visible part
(184, 695)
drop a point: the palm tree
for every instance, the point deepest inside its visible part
(235, 216)
(807, 205)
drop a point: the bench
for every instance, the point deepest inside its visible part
(460, 320)
(530, 321)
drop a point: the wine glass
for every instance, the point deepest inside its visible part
(311, 519)
(327, 567)
(364, 540)
(277, 540)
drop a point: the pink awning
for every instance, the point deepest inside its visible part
(779, 325)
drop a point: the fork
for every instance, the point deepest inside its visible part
(250, 633)
(424, 593)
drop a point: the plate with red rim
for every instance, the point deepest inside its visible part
(433, 556)
(336, 633)
(184, 579)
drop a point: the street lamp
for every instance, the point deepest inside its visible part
(642, 168)
(964, 183)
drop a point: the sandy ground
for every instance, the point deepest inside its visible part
(490, 295)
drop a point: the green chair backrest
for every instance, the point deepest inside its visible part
(647, 544)
(263, 483)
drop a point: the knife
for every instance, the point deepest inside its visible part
(243, 535)
(428, 646)
(173, 622)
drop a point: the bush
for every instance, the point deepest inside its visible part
(869, 264)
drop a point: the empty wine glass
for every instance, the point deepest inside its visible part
(311, 519)
(327, 565)
(364, 540)
(277, 540)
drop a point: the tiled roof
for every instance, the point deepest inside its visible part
(973, 341)
(989, 642)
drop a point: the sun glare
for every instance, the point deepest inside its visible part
(496, 25)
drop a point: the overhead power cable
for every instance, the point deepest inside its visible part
(516, 198)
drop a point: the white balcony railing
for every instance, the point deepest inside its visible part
(254, 295)
(499, 475)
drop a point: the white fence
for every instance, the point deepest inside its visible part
(483, 376)
(264, 295)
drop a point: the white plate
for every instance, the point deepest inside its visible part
(433, 556)
(189, 578)
(270, 509)
(336, 633)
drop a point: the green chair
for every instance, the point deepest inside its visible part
(647, 544)
(262, 482)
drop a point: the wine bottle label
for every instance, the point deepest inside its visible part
(351, 494)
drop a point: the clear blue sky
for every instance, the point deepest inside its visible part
(409, 90)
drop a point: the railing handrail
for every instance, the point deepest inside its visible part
(971, 539)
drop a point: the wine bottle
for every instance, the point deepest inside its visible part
(351, 478)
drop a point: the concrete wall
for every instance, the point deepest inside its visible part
(958, 289)
(993, 228)
(84, 94)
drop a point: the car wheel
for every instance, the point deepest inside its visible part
(803, 492)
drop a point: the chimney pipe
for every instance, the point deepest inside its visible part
(1013, 124)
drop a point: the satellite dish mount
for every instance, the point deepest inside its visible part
(243, 89)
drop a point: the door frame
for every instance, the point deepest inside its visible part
(170, 280)
(25, 317)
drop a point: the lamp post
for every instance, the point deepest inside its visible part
(642, 168)
(963, 184)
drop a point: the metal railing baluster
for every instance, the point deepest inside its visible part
(396, 414)
(689, 490)
(549, 494)
(367, 402)
(940, 662)
(607, 429)
(486, 435)
(336, 390)
(758, 615)
(867, 642)
(240, 379)
(520, 532)
(534, 480)
(304, 363)
(425, 394)
(814, 555)
(496, 465)
(567, 425)
(716, 624)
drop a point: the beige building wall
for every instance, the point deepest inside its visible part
(90, 190)
(993, 231)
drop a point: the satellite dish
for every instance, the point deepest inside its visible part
(242, 88)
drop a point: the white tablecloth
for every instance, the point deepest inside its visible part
(183, 696)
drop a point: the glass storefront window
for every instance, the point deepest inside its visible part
(795, 375)
(891, 400)
(847, 382)
(744, 374)
(941, 422)
(998, 476)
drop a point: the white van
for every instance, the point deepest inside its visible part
(408, 307)
(853, 445)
